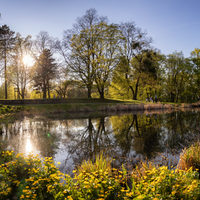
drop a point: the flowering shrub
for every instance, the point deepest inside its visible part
(98, 181)
(162, 183)
(34, 178)
(29, 177)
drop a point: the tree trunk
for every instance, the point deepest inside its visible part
(136, 89)
(136, 124)
(102, 94)
(23, 93)
(18, 92)
(48, 90)
(5, 73)
(90, 136)
(44, 92)
(172, 97)
(177, 98)
(133, 92)
(100, 90)
(49, 93)
(89, 92)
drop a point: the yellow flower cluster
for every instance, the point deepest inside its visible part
(162, 183)
(35, 178)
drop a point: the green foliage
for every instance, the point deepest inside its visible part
(178, 83)
(101, 163)
(136, 76)
(162, 183)
(105, 59)
(29, 177)
(98, 181)
(94, 51)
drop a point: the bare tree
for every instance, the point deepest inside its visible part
(19, 74)
(133, 44)
(106, 55)
(43, 41)
(79, 52)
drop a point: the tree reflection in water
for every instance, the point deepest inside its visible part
(128, 138)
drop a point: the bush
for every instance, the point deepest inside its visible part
(162, 183)
(29, 177)
(98, 181)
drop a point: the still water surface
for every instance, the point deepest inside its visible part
(128, 137)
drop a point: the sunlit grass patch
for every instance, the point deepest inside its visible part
(100, 163)
(4, 109)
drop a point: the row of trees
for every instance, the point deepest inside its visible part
(99, 59)
(20, 73)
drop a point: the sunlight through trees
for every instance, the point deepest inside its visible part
(98, 59)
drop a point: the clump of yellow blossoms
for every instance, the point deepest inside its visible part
(31, 177)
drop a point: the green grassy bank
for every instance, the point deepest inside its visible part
(97, 105)
(80, 108)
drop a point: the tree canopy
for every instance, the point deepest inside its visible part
(96, 58)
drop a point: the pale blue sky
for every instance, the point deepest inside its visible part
(173, 24)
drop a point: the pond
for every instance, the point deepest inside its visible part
(126, 137)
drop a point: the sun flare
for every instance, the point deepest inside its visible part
(28, 60)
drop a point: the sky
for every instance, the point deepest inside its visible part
(174, 25)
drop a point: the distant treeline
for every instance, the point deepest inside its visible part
(96, 59)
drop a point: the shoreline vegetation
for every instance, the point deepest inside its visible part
(56, 106)
(6, 111)
(31, 177)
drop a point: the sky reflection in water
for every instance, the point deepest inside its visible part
(128, 138)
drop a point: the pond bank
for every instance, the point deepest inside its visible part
(56, 101)
(59, 106)
(104, 107)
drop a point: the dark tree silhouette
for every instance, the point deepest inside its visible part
(44, 72)
(7, 42)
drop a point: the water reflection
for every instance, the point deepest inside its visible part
(128, 138)
(29, 146)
